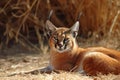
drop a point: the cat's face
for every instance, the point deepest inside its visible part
(62, 39)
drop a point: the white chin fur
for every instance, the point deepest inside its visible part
(61, 51)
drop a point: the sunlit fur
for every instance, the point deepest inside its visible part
(91, 61)
(61, 35)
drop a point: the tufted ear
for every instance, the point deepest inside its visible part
(50, 26)
(74, 29)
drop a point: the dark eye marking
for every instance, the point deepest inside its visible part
(66, 40)
(55, 38)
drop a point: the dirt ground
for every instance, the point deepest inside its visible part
(17, 60)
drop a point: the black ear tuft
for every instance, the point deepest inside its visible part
(75, 29)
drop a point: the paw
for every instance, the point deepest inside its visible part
(82, 72)
(46, 70)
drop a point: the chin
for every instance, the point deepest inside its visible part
(63, 50)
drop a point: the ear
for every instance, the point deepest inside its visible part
(50, 26)
(74, 29)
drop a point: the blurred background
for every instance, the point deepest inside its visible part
(22, 22)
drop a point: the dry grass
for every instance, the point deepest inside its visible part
(23, 21)
(62, 76)
(23, 62)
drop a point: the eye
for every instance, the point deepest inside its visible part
(66, 40)
(55, 38)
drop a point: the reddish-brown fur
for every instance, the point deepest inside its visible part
(107, 62)
(92, 60)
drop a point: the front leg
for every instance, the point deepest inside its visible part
(47, 69)
(78, 67)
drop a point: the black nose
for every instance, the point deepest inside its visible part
(60, 45)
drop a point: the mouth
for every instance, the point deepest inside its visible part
(61, 49)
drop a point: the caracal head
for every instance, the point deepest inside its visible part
(62, 39)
